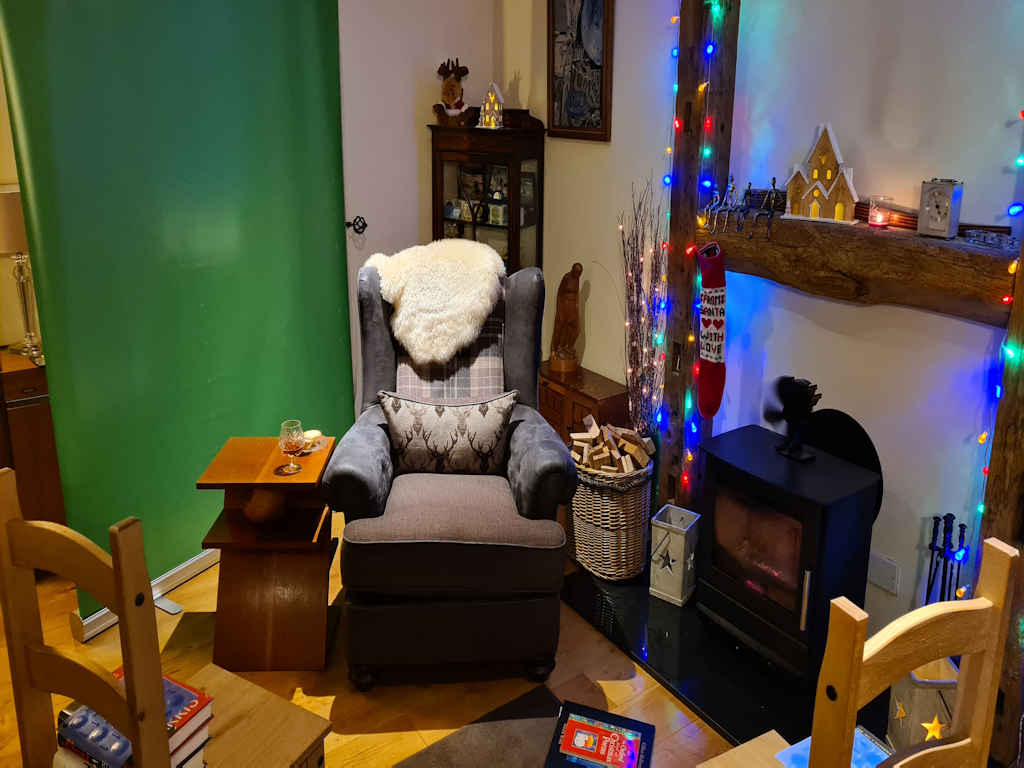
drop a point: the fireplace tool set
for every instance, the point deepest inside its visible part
(946, 558)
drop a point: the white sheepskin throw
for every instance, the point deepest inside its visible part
(442, 294)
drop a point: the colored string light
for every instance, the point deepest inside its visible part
(710, 49)
(1015, 209)
(707, 151)
(1013, 267)
(675, 52)
(1020, 161)
(1007, 299)
(667, 178)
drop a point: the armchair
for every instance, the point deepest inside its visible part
(447, 568)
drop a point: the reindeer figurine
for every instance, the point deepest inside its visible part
(451, 110)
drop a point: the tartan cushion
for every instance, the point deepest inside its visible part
(476, 372)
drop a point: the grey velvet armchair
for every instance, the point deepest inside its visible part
(448, 568)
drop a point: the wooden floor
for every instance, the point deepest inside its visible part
(392, 721)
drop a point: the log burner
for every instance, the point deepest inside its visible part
(781, 537)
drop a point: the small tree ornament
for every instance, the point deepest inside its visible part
(644, 258)
(490, 112)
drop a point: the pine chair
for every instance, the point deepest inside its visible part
(854, 671)
(119, 581)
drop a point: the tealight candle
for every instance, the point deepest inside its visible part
(880, 211)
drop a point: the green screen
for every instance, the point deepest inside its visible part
(180, 166)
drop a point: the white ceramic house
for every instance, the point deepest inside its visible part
(822, 187)
(490, 111)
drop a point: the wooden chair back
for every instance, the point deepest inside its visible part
(121, 582)
(854, 671)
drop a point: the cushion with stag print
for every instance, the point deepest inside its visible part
(456, 437)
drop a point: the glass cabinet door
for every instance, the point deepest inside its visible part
(476, 203)
(529, 213)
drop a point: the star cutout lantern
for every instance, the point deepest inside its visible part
(689, 562)
(934, 729)
(666, 561)
(900, 711)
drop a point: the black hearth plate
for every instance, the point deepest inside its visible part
(731, 687)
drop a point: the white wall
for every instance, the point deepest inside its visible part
(390, 52)
(587, 183)
(914, 89)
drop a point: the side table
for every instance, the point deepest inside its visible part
(272, 591)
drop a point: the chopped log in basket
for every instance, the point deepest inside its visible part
(610, 450)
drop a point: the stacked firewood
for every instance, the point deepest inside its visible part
(614, 450)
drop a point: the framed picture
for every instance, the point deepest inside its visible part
(580, 69)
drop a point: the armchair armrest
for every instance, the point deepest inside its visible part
(357, 480)
(540, 469)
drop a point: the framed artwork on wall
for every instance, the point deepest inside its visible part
(579, 46)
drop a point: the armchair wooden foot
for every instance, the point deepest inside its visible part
(538, 669)
(363, 676)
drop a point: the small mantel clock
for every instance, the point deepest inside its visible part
(940, 208)
(489, 187)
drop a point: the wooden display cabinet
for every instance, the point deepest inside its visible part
(473, 165)
(565, 399)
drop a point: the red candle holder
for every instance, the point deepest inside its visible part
(880, 212)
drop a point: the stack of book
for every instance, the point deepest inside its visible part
(85, 734)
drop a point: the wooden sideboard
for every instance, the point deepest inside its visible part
(27, 440)
(566, 399)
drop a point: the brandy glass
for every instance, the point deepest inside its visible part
(292, 444)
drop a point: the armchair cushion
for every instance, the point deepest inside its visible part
(540, 469)
(450, 535)
(357, 479)
(438, 436)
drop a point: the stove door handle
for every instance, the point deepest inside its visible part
(803, 604)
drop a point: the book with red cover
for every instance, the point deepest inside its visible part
(597, 739)
(187, 709)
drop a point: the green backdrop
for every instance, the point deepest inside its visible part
(180, 164)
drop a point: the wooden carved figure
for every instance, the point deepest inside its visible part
(452, 110)
(567, 322)
(822, 188)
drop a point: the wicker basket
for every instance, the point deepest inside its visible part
(608, 525)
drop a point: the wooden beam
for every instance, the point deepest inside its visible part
(1004, 496)
(868, 266)
(696, 28)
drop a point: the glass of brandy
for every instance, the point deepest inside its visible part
(292, 444)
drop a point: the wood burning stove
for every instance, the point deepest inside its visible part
(779, 539)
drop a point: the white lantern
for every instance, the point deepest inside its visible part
(673, 553)
(490, 112)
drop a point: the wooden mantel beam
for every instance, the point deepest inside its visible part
(860, 264)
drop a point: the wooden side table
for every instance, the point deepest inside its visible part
(566, 398)
(272, 591)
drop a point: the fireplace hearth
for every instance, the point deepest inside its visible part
(779, 540)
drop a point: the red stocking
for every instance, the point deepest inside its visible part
(711, 375)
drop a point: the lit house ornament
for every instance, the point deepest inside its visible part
(822, 188)
(490, 112)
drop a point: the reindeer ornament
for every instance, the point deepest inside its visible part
(452, 110)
